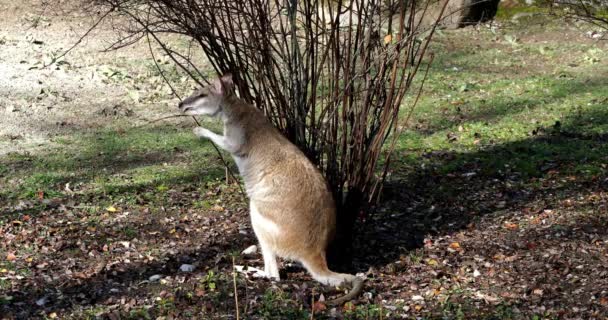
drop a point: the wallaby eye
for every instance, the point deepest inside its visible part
(202, 95)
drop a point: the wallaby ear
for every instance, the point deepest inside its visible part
(224, 85)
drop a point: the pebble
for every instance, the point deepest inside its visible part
(250, 250)
(186, 268)
(154, 278)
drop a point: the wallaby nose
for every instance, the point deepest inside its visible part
(180, 104)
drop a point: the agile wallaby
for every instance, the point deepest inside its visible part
(292, 210)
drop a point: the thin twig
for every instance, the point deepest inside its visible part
(161, 119)
(219, 153)
(236, 296)
(64, 53)
(312, 305)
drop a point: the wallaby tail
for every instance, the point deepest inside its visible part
(317, 266)
(357, 287)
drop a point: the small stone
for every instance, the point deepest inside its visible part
(186, 268)
(42, 301)
(250, 250)
(155, 278)
(417, 298)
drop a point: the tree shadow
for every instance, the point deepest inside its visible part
(445, 192)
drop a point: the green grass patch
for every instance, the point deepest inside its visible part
(111, 164)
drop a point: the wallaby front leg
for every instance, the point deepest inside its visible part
(221, 141)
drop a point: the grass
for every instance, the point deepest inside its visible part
(112, 164)
(503, 97)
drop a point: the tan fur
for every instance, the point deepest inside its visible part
(292, 209)
(283, 185)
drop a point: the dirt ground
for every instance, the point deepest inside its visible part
(76, 93)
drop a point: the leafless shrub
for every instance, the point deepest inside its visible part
(330, 74)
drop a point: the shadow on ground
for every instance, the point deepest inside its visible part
(454, 190)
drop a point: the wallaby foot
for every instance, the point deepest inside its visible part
(317, 266)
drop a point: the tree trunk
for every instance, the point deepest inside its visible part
(340, 251)
(459, 13)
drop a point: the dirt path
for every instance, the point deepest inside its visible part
(77, 93)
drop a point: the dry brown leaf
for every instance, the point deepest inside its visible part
(318, 306)
(217, 208)
(11, 257)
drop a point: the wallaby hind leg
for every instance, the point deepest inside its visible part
(317, 266)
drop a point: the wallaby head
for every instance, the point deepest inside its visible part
(209, 100)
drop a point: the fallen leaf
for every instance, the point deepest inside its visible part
(486, 298)
(388, 38)
(11, 257)
(111, 209)
(511, 226)
(455, 246)
(318, 306)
